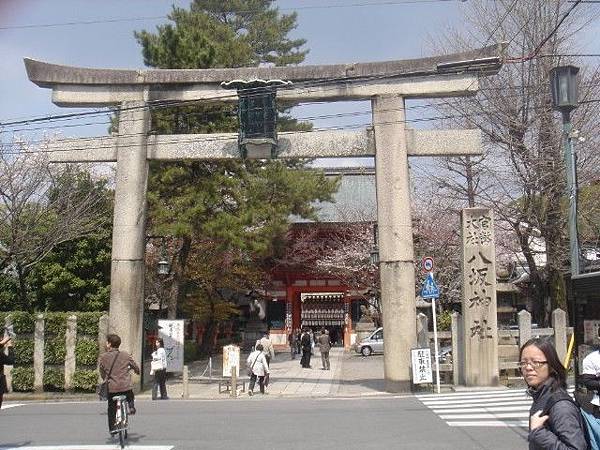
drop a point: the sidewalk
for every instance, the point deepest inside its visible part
(351, 375)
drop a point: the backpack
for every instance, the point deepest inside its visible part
(560, 396)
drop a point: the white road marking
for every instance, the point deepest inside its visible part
(507, 408)
(11, 405)
(91, 447)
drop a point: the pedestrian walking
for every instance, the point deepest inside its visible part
(268, 351)
(258, 367)
(555, 421)
(114, 367)
(292, 343)
(298, 341)
(7, 356)
(324, 347)
(159, 370)
(306, 349)
(588, 396)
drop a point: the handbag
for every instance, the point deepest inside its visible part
(250, 372)
(102, 388)
(156, 365)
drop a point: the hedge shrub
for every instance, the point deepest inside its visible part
(23, 322)
(54, 379)
(86, 352)
(190, 351)
(87, 323)
(23, 349)
(55, 323)
(85, 380)
(22, 379)
(55, 351)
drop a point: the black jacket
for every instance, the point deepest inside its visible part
(564, 430)
(5, 359)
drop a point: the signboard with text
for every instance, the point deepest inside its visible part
(172, 332)
(421, 365)
(231, 359)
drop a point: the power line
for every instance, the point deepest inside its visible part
(298, 8)
(233, 138)
(546, 39)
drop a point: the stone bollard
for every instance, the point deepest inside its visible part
(559, 323)
(186, 382)
(524, 327)
(422, 331)
(102, 333)
(38, 354)
(233, 382)
(70, 342)
(456, 325)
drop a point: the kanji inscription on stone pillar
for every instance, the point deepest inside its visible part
(479, 298)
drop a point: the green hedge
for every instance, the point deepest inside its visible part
(85, 380)
(86, 352)
(55, 323)
(54, 379)
(87, 323)
(23, 352)
(22, 379)
(23, 322)
(55, 351)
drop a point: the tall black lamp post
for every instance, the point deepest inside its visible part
(564, 87)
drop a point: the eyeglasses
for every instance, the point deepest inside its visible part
(534, 364)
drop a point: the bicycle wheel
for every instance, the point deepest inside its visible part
(122, 438)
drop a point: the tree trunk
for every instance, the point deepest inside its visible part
(177, 292)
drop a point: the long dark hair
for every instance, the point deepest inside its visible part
(160, 342)
(557, 371)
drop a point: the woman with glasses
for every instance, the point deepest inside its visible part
(555, 421)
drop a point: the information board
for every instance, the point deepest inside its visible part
(421, 365)
(172, 332)
(231, 358)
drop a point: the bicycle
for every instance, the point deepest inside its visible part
(121, 418)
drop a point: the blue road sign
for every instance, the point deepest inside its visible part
(430, 289)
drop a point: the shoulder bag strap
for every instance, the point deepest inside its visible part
(111, 366)
(255, 359)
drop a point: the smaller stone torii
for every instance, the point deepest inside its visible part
(385, 84)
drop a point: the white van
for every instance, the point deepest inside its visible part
(372, 344)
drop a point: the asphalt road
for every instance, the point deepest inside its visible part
(257, 422)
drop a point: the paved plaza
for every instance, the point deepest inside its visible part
(350, 375)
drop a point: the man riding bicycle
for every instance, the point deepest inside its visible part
(115, 365)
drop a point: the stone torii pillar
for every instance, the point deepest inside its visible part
(387, 84)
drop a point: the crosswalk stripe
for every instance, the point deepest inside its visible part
(499, 408)
(523, 403)
(515, 415)
(90, 447)
(472, 395)
(472, 401)
(506, 408)
(491, 423)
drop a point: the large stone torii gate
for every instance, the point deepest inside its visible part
(386, 84)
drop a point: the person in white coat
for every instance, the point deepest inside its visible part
(258, 367)
(159, 368)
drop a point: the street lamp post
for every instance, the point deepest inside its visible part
(374, 254)
(564, 87)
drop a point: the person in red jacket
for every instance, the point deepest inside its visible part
(5, 358)
(114, 367)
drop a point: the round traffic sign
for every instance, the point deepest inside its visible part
(428, 264)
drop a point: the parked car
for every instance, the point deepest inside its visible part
(371, 344)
